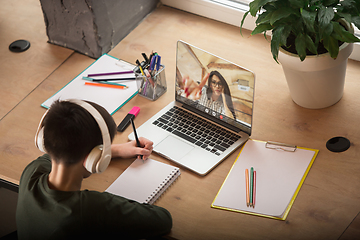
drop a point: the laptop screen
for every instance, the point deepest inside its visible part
(214, 86)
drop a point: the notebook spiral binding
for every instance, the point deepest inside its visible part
(163, 186)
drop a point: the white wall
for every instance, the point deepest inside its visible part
(228, 12)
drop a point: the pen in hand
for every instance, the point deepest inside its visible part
(136, 137)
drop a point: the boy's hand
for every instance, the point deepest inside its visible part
(129, 149)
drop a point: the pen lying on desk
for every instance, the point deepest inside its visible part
(105, 85)
(108, 79)
(111, 83)
(107, 74)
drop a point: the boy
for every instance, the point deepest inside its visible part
(51, 204)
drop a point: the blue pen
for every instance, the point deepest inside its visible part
(152, 63)
(158, 60)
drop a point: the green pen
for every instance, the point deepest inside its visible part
(117, 84)
(251, 185)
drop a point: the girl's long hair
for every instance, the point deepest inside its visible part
(227, 93)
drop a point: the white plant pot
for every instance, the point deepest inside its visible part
(318, 81)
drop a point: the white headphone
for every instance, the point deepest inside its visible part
(99, 157)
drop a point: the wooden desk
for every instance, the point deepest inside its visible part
(328, 203)
(22, 72)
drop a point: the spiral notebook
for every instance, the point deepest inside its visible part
(144, 181)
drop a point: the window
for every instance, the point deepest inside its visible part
(231, 12)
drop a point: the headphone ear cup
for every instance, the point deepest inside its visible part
(93, 158)
(40, 140)
(103, 163)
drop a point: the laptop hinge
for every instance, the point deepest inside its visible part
(224, 124)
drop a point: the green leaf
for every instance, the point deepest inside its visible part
(264, 17)
(285, 32)
(325, 15)
(313, 5)
(275, 43)
(357, 5)
(256, 5)
(261, 28)
(343, 35)
(300, 46)
(326, 30)
(270, 7)
(331, 44)
(349, 5)
(356, 21)
(280, 14)
(243, 20)
(346, 16)
(309, 19)
(310, 44)
(297, 3)
(328, 3)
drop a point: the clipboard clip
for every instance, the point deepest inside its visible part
(280, 146)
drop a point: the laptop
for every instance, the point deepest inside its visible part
(211, 115)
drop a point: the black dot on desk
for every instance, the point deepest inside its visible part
(338, 144)
(19, 46)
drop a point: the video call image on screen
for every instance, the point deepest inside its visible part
(214, 86)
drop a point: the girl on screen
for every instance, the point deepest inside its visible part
(215, 96)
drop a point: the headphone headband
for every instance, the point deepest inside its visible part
(99, 158)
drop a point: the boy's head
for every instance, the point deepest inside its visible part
(71, 132)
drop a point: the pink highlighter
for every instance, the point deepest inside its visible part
(126, 121)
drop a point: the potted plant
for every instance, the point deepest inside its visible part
(312, 33)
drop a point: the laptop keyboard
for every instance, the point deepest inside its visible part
(196, 130)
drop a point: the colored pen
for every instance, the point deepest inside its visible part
(145, 57)
(110, 73)
(142, 71)
(152, 63)
(158, 61)
(126, 121)
(145, 87)
(251, 185)
(136, 137)
(107, 79)
(111, 83)
(149, 77)
(254, 190)
(104, 85)
(247, 187)
(151, 58)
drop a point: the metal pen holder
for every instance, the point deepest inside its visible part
(151, 86)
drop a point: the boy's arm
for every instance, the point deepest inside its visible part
(126, 217)
(130, 149)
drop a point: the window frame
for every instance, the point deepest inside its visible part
(230, 12)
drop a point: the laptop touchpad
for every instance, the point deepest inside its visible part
(173, 148)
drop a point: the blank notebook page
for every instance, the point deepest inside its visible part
(110, 98)
(144, 181)
(279, 174)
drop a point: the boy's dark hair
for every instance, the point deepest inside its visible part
(70, 131)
